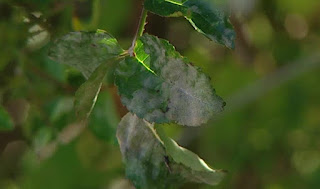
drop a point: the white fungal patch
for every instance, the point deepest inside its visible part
(177, 92)
(144, 151)
(84, 51)
(191, 98)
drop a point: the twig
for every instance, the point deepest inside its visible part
(140, 29)
(66, 87)
(261, 87)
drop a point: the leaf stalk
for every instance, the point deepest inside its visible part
(140, 30)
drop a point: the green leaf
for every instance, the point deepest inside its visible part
(85, 51)
(6, 123)
(104, 118)
(153, 163)
(206, 16)
(161, 86)
(87, 93)
(196, 169)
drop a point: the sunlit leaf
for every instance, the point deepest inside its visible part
(153, 163)
(6, 123)
(195, 169)
(161, 86)
(85, 51)
(206, 16)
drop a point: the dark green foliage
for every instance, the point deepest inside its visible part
(206, 16)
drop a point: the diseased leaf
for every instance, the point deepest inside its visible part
(87, 93)
(143, 153)
(161, 86)
(195, 169)
(85, 51)
(6, 123)
(152, 163)
(206, 16)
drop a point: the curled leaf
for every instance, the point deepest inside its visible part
(154, 161)
(194, 168)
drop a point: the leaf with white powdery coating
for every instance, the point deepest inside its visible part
(206, 16)
(160, 85)
(85, 51)
(153, 163)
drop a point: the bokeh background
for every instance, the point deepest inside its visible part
(268, 136)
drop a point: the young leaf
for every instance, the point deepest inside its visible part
(160, 85)
(205, 16)
(6, 123)
(152, 163)
(85, 51)
(87, 94)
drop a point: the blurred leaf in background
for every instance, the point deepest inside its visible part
(6, 123)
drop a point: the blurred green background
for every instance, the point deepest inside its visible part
(268, 136)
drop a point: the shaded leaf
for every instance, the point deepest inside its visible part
(85, 51)
(206, 16)
(143, 153)
(161, 86)
(152, 163)
(104, 118)
(87, 93)
(60, 108)
(6, 123)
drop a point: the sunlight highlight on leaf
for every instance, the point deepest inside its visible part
(207, 17)
(156, 161)
(177, 92)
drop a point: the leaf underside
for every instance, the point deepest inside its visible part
(85, 51)
(160, 85)
(206, 16)
(153, 163)
(86, 95)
